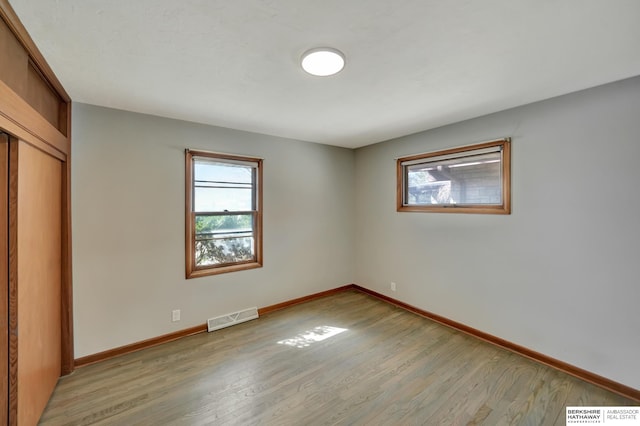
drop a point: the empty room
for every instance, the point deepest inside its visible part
(306, 213)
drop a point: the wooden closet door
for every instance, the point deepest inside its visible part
(35, 279)
(35, 248)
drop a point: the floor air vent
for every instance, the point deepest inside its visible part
(231, 319)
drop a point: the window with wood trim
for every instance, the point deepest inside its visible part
(469, 179)
(223, 213)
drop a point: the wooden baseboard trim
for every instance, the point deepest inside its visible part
(154, 341)
(278, 306)
(572, 370)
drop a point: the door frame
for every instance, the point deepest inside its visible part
(19, 119)
(4, 273)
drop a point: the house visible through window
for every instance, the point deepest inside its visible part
(471, 179)
(224, 213)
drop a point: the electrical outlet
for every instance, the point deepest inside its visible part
(175, 315)
(393, 286)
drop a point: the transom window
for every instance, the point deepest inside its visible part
(470, 179)
(223, 213)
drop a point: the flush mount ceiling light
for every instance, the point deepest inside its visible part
(323, 61)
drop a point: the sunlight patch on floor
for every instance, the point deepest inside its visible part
(307, 338)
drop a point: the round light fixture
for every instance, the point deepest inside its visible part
(323, 61)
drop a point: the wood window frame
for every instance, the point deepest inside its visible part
(503, 208)
(193, 271)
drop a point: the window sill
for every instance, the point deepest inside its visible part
(203, 272)
(457, 209)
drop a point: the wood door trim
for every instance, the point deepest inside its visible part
(66, 288)
(4, 270)
(20, 119)
(13, 281)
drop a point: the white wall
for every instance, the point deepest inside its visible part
(128, 225)
(561, 274)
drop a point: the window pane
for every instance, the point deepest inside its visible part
(224, 239)
(211, 170)
(220, 186)
(223, 223)
(208, 199)
(471, 179)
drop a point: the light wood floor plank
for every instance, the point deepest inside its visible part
(389, 367)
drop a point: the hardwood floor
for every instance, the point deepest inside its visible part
(344, 359)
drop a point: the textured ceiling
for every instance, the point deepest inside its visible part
(411, 64)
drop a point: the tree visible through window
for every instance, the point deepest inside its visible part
(224, 217)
